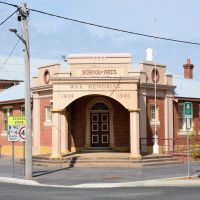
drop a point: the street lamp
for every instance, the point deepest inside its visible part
(28, 133)
(14, 30)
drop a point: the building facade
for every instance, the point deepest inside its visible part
(102, 101)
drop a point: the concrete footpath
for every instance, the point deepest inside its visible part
(167, 175)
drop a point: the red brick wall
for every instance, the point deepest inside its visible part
(161, 116)
(16, 112)
(78, 121)
(196, 116)
(45, 131)
(121, 123)
(176, 123)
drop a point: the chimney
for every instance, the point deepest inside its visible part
(188, 69)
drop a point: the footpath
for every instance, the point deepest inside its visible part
(164, 175)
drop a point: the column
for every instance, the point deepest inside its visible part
(64, 133)
(36, 124)
(56, 134)
(134, 134)
(169, 122)
(143, 116)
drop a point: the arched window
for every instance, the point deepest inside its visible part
(99, 106)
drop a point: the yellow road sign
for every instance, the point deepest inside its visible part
(16, 120)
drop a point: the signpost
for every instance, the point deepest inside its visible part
(16, 126)
(188, 115)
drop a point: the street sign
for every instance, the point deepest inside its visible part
(188, 109)
(13, 135)
(188, 115)
(16, 128)
(22, 133)
(16, 120)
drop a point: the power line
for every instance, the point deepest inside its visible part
(9, 4)
(8, 17)
(109, 28)
(6, 60)
(115, 29)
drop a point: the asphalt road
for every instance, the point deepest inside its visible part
(12, 191)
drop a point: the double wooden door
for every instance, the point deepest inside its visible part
(100, 136)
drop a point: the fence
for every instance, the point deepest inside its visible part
(176, 147)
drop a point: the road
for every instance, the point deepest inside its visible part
(20, 192)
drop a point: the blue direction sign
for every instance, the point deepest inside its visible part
(188, 109)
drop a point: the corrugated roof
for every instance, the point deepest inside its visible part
(14, 68)
(13, 93)
(188, 88)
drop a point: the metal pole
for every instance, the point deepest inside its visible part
(155, 145)
(28, 133)
(13, 159)
(24, 162)
(188, 147)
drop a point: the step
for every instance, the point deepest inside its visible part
(156, 156)
(114, 165)
(52, 164)
(158, 160)
(104, 161)
(161, 163)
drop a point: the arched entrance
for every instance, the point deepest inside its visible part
(100, 125)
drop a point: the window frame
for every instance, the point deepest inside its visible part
(154, 120)
(21, 110)
(48, 119)
(5, 121)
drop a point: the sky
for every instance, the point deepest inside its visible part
(51, 38)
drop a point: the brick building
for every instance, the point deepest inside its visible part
(101, 101)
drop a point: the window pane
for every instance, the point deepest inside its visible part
(153, 112)
(48, 114)
(6, 112)
(10, 112)
(23, 111)
(181, 110)
(181, 123)
(199, 111)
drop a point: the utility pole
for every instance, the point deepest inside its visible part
(23, 14)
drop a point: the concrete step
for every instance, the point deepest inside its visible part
(156, 157)
(157, 160)
(106, 164)
(97, 149)
(102, 160)
(161, 163)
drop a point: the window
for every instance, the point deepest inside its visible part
(22, 110)
(182, 120)
(199, 111)
(47, 114)
(154, 115)
(6, 113)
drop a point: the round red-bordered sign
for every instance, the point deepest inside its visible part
(22, 133)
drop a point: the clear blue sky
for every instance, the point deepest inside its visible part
(51, 37)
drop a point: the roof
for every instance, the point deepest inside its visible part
(14, 70)
(15, 92)
(14, 67)
(187, 88)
